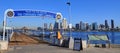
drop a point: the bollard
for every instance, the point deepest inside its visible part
(71, 43)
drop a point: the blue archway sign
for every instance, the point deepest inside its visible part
(10, 13)
(34, 13)
(22, 13)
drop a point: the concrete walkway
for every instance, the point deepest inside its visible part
(45, 48)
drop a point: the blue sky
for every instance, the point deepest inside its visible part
(81, 10)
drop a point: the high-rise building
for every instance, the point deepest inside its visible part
(106, 24)
(90, 27)
(56, 25)
(94, 26)
(112, 24)
(77, 26)
(101, 26)
(51, 26)
(45, 26)
(60, 25)
(81, 25)
(87, 26)
(64, 23)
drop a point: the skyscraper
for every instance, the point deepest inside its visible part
(56, 25)
(112, 24)
(51, 26)
(80, 25)
(83, 26)
(106, 24)
(101, 26)
(94, 26)
(45, 26)
(87, 26)
(77, 26)
(64, 23)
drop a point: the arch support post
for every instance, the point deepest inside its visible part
(4, 27)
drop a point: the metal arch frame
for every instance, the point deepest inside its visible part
(34, 14)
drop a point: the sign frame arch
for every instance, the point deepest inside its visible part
(10, 13)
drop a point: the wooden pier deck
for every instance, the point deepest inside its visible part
(23, 39)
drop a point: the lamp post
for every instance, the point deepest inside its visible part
(69, 11)
(43, 29)
(71, 40)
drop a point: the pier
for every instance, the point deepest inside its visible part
(23, 39)
(22, 43)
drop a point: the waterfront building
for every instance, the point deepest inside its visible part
(45, 26)
(83, 26)
(101, 27)
(77, 26)
(117, 28)
(87, 26)
(94, 26)
(61, 25)
(56, 25)
(112, 24)
(51, 26)
(64, 23)
(80, 25)
(106, 25)
(90, 27)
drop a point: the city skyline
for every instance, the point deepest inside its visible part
(84, 26)
(81, 10)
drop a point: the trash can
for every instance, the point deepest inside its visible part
(66, 43)
(78, 44)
